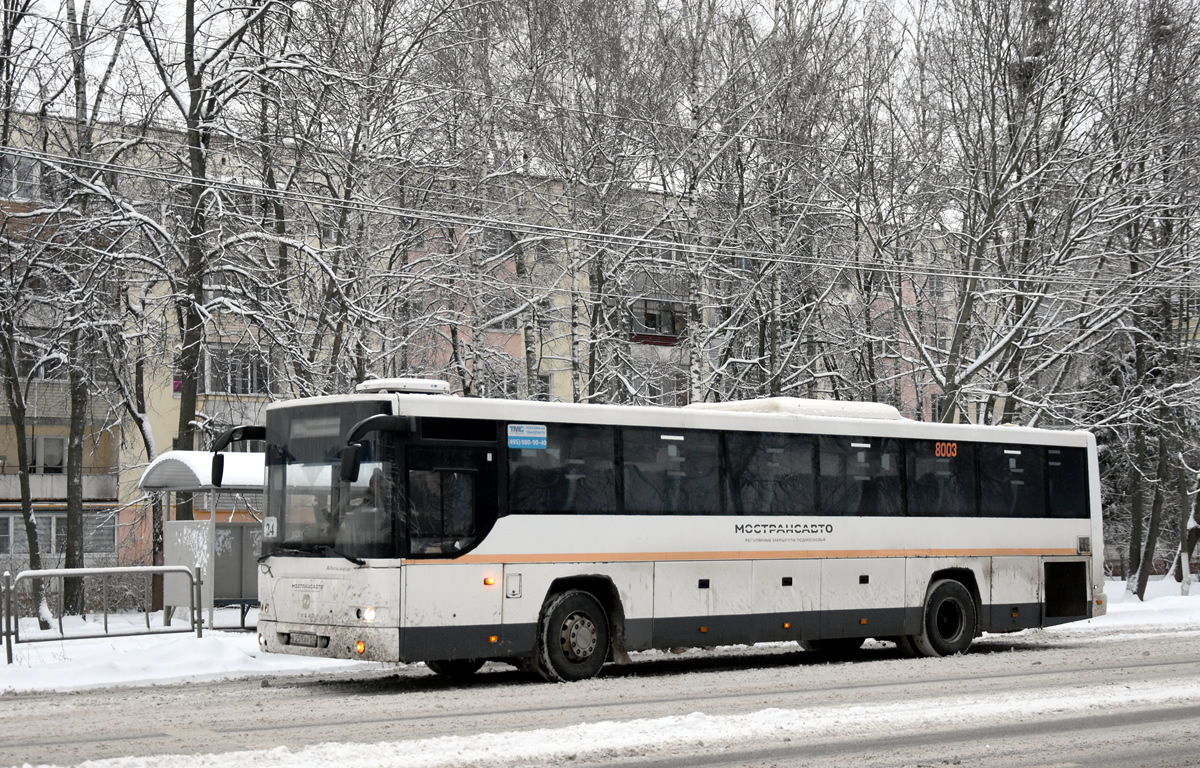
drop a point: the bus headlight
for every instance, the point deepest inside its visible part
(367, 614)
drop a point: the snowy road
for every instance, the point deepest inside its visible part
(1119, 695)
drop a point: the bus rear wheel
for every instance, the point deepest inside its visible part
(573, 638)
(455, 668)
(948, 626)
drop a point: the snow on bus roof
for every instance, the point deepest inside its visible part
(806, 407)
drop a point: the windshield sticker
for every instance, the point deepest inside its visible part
(270, 527)
(527, 436)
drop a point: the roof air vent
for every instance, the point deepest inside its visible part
(405, 386)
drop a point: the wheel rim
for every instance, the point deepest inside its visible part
(948, 620)
(578, 637)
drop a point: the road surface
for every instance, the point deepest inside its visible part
(1049, 699)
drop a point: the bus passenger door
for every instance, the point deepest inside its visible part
(449, 499)
(448, 504)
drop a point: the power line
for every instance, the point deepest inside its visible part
(606, 240)
(442, 88)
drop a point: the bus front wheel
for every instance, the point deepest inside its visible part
(573, 637)
(948, 626)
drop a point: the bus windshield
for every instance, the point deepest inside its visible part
(310, 509)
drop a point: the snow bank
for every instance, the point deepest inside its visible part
(150, 659)
(145, 660)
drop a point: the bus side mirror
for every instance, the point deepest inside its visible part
(351, 462)
(232, 435)
(218, 469)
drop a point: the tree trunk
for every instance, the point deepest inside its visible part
(16, 410)
(73, 588)
(1137, 512)
(1156, 507)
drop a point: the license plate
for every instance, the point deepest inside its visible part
(306, 639)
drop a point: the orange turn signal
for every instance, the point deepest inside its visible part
(489, 581)
(360, 647)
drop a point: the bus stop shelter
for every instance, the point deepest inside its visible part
(226, 552)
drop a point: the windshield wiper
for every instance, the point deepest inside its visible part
(331, 551)
(289, 551)
(319, 550)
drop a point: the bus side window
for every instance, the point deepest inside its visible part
(1012, 480)
(574, 474)
(1067, 477)
(424, 501)
(458, 505)
(941, 478)
(671, 472)
(860, 476)
(441, 510)
(770, 474)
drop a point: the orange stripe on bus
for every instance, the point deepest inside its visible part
(639, 557)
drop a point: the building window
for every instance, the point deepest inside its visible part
(668, 390)
(510, 323)
(99, 534)
(544, 389)
(500, 384)
(47, 455)
(658, 322)
(237, 371)
(20, 177)
(35, 363)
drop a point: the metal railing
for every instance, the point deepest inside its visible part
(9, 618)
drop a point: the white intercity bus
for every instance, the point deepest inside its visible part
(405, 524)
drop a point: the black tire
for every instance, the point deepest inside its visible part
(455, 669)
(834, 646)
(948, 625)
(573, 638)
(524, 664)
(905, 645)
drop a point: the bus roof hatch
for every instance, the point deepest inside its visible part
(405, 386)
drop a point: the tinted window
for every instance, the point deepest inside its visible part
(303, 451)
(860, 476)
(1011, 481)
(671, 472)
(1066, 471)
(770, 474)
(441, 510)
(480, 430)
(574, 473)
(941, 478)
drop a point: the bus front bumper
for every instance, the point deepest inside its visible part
(360, 643)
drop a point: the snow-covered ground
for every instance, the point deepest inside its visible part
(150, 659)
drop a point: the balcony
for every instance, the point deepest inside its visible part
(658, 323)
(97, 486)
